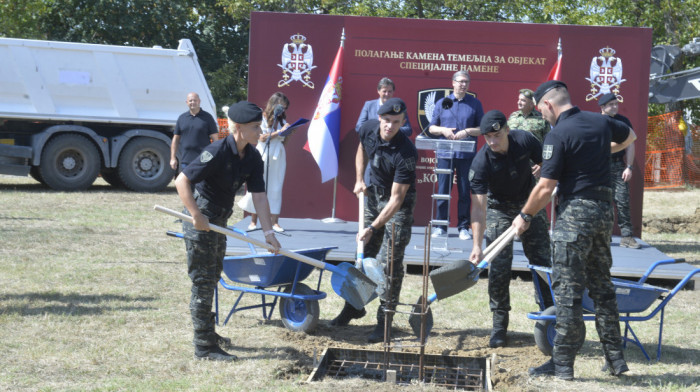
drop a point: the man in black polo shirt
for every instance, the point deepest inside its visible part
(621, 173)
(193, 130)
(217, 174)
(501, 180)
(391, 198)
(576, 153)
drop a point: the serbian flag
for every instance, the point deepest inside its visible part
(555, 72)
(324, 130)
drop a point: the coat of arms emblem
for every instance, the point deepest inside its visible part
(606, 74)
(297, 62)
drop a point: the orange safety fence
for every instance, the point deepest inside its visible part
(668, 163)
(223, 127)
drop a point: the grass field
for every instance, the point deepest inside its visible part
(94, 297)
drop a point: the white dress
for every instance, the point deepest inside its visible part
(274, 172)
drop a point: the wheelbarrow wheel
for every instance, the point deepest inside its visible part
(299, 315)
(545, 332)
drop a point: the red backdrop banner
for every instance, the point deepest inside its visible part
(421, 55)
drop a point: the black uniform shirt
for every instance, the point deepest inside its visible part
(576, 152)
(506, 177)
(393, 161)
(621, 154)
(194, 134)
(220, 171)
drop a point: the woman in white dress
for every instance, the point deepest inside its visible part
(271, 147)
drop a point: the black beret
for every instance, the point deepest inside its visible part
(547, 87)
(493, 121)
(244, 112)
(392, 106)
(605, 98)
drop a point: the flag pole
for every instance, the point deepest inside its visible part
(333, 219)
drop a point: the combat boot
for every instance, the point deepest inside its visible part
(629, 242)
(546, 369)
(549, 368)
(221, 341)
(500, 326)
(348, 313)
(615, 363)
(213, 353)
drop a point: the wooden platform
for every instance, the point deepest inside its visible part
(308, 233)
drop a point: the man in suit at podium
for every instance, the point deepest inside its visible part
(456, 117)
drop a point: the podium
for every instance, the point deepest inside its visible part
(444, 149)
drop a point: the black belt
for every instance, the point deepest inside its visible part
(601, 193)
(381, 192)
(618, 159)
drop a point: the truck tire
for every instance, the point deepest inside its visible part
(144, 165)
(69, 162)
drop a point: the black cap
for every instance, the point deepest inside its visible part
(244, 112)
(605, 98)
(392, 106)
(493, 121)
(547, 87)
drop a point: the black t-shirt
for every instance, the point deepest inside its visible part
(506, 177)
(621, 154)
(194, 134)
(389, 162)
(220, 171)
(576, 152)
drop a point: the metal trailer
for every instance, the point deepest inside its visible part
(632, 298)
(72, 111)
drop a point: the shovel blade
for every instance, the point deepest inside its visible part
(374, 270)
(352, 285)
(415, 319)
(454, 278)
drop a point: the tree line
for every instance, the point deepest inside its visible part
(219, 29)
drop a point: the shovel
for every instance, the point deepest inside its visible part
(370, 266)
(454, 278)
(347, 281)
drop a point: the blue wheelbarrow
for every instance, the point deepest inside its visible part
(632, 298)
(277, 276)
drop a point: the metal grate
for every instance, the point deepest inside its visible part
(460, 373)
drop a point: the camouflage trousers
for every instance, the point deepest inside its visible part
(536, 244)
(380, 245)
(621, 196)
(205, 255)
(582, 260)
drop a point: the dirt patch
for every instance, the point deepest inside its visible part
(689, 224)
(509, 368)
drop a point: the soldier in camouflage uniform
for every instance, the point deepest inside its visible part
(501, 180)
(576, 153)
(527, 118)
(220, 170)
(621, 173)
(391, 198)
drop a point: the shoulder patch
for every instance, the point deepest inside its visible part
(547, 150)
(471, 174)
(410, 163)
(205, 157)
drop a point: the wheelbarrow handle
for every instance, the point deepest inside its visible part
(231, 233)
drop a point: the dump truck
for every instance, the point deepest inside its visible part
(72, 111)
